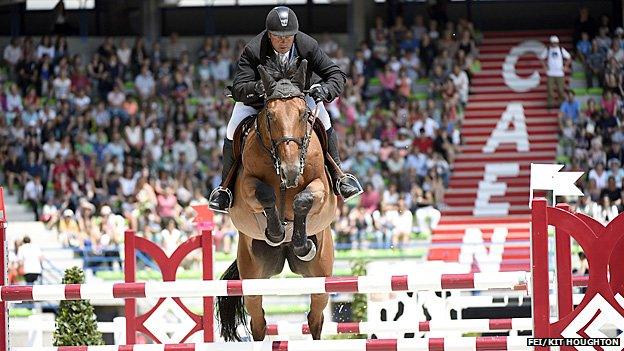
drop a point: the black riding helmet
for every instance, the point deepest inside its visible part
(282, 21)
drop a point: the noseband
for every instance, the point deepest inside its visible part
(302, 142)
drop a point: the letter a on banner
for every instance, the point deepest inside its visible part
(502, 134)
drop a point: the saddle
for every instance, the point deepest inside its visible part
(248, 124)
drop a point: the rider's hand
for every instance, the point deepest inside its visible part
(318, 92)
(259, 88)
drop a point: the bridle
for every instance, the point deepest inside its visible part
(302, 142)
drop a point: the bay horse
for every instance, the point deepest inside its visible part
(282, 158)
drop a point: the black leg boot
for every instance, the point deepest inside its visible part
(221, 198)
(344, 184)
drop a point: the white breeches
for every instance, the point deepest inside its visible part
(242, 111)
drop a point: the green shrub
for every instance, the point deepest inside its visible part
(75, 323)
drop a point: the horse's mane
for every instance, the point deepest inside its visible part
(281, 70)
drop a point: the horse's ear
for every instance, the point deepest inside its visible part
(300, 76)
(267, 80)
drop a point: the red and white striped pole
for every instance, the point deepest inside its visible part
(208, 274)
(247, 287)
(463, 325)
(540, 299)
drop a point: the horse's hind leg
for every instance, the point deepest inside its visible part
(312, 196)
(275, 231)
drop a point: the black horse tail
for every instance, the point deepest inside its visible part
(230, 309)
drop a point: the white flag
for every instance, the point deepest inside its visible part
(564, 184)
(548, 177)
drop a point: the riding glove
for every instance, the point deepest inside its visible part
(259, 88)
(318, 92)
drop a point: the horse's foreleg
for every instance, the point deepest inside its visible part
(318, 302)
(322, 266)
(312, 196)
(275, 231)
(253, 304)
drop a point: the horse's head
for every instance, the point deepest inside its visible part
(283, 124)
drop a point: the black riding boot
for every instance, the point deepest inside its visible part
(345, 184)
(221, 197)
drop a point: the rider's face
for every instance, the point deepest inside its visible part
(281, 44)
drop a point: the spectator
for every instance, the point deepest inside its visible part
(427, 216)
(612, 191)
(584, 47)
(570, 108)
(557, 63)
(175, 47)
(62, 86)
(123, 53)
(29, 256)
(69, 231)
(45, 47)
(607, 211)
(403, 223)
(460, 81)
(33, 193)
(144, 83)
(13, 54)
(171, 237)
(584, 23)
(599, 175)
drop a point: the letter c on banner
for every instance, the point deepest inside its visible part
(512, 80)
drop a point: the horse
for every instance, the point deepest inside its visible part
(281, 157)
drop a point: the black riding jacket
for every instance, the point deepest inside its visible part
(259, 50)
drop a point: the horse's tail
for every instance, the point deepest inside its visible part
(230, 309)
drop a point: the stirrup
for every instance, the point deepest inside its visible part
(215, 192)
(355, 183)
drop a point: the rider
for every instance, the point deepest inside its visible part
(283, 40)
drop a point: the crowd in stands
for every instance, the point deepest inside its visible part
(592, 132)
(130, 135)
(401, 144)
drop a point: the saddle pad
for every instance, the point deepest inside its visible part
(240, 134)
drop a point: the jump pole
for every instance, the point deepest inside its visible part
(279, 287)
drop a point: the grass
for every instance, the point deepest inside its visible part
(273, 309)
(20, 312)
(355, 254)
(594, 91)
(269, 310)
(589, 91)
(423, 81)
(418, 96)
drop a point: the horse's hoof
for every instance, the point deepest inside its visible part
(280, 238)
(311, 254)
(268, 241)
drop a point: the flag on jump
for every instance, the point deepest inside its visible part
(548, 177)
